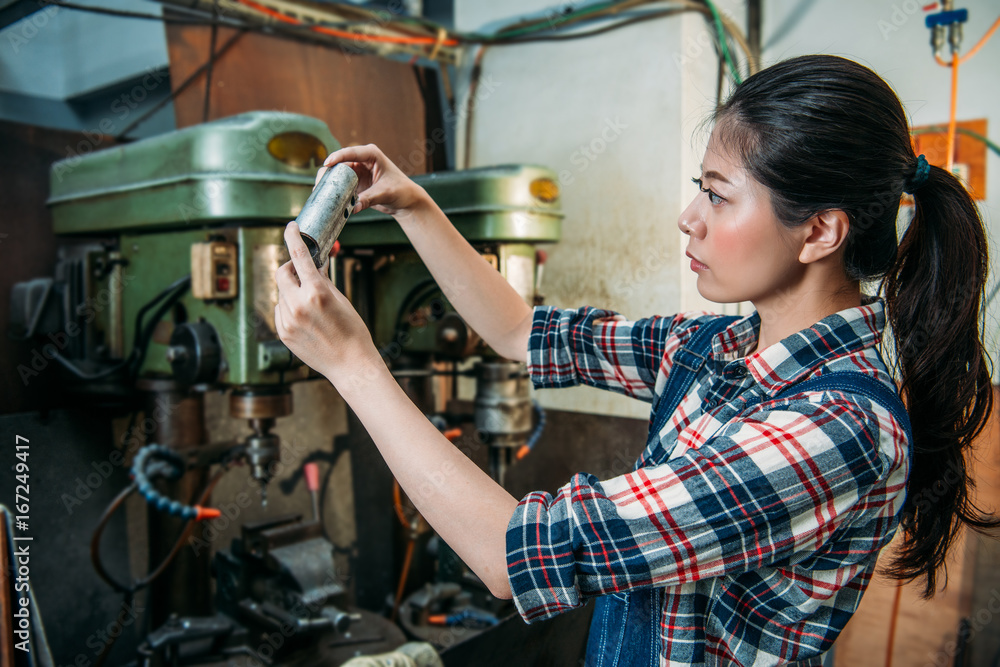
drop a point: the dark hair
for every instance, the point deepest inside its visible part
(825, 133)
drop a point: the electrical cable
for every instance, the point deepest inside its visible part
(130, 590)
(269, 21)
(141, 343)
(892, 625)
(960, 130)
(181, 88)
(470, 105)
(137, 356)
(982, 41)
(957, 60)
(952, 107)
(722, 42)
(971, 52)
(211, 61)
(596, 31)
(429, 41)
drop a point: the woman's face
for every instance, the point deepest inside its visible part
(739, 249)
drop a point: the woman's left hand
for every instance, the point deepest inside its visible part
(314, 320)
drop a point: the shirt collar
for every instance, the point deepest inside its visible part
(797, 356)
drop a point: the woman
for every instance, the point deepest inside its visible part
(751, 525)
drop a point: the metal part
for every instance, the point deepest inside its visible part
(260, 402)
(262, 453)
(273, 355)
(503, 411)
(267, 259)
(177, 417)
(487, 205)
(215, 171)
(277, 580)
(195, 354)
(327, 210)
(261, 406)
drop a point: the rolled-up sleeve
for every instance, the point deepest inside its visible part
(771, 487)
(602, 349)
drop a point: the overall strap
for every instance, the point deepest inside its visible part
(687, 361)
(855, 382)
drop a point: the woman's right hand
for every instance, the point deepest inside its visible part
(381, 184)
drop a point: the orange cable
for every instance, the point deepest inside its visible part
(425, 41)
(892, 625)
(982, 41)
(397, 502)
(951, 114)
(402, 578)
(985, 38)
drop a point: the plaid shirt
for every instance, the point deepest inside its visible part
(762, 527)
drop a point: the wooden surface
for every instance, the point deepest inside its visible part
(363, 99)
(927, 630)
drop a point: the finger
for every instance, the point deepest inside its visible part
(301, 258)
(279, 328)
(369, 198)
(319, 175)
(367, 155)
(286, 279)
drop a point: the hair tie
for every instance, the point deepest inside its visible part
(919, 177)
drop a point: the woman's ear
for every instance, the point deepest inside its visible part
(825, 233)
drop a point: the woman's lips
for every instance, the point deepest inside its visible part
(695, 264)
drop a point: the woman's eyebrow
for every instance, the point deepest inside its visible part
(716, 176)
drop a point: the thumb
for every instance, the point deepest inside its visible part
(369, 198)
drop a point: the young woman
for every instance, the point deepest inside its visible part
(750, 527)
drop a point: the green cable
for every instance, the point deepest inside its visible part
(723, 43)
(547, 25)
(961, 130)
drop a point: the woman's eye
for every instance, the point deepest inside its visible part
(713, 198)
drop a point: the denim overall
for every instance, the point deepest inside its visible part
(625, 628)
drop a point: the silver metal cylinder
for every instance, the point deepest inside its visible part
(503, 403)
(325, 213)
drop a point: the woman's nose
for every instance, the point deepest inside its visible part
(690, 220)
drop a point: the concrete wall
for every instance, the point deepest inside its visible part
(889, 36)
(616, 115)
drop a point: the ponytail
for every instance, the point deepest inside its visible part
(934, 294)
(822, 133)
